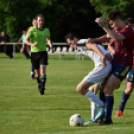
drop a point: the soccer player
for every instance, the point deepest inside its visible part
(34, 23)
(102, 69)
(129, 80)
(37, 38)
(122, 44)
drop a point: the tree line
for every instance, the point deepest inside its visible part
(61, 16)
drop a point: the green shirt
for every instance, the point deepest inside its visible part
(37, 35)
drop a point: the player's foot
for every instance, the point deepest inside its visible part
(89, 122)
(119, 113)
(100, 113)
(105, 123)
(101, 119)
(41, 90)
(32, 76)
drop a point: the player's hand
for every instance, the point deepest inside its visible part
(103, 61)
(35, 44)
(21, 50)
(52, 50)
(108, 36)
(100, 22)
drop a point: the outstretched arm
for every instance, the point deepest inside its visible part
(98, 40)
(112, 34)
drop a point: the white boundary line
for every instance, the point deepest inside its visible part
(93, 130)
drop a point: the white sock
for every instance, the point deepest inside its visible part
(32, 72)
(92, 97)
(94, 110)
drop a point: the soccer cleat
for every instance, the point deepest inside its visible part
(100, 113)
(41, 90)
(32, 76)
(89, 122)
(105, 123)
(119, 113)
(101, 119)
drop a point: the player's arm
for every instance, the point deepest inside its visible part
(98, 40)
(22, 48)
(112, 34)
(94, 47)
(29, 43)
(50, 44)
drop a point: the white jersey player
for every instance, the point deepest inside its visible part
(101, 70)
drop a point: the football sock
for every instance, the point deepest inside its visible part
(94, 110)
(92, 97)
(123, 101)
(38, 80)
(32, 69)
(102, 97)
(43, 80)
(109, 107)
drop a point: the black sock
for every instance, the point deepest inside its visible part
(43, 80)
(38, 80)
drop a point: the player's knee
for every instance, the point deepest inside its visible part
(128, 91)
(79, 89)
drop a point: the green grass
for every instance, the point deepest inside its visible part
(24, 111)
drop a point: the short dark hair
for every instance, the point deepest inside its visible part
(40, 15)
(130, 21)
(71, 36)
(113, 15)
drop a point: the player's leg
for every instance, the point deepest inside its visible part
(35, 63)
(108, 89)
(43, 62)
(94, 109)
(32, 72)
(126, 93)
(82, 88)
(118, 74)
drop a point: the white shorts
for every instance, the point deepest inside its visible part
(99, 74)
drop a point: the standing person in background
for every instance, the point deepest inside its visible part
(129, 80)
(37, 38)
(23, 48)
(7, 48)
(34, 23)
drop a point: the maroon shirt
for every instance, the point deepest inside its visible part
(124, 48)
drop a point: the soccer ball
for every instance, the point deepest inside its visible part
(76, 120)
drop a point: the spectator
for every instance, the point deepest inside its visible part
(23, 48)
(7, 48)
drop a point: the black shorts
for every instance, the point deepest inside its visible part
(39, 58)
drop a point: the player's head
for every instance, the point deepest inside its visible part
(114, 19)
(40, 20)
(130, 21)
(72, 38)
(3, 33)
(34, 21)
(23, 31)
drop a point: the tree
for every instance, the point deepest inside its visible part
(104, 6)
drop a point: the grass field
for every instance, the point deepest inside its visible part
(24, 111)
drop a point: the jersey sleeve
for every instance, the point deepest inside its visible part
(48, 33)
(127, 32)
(29, 33)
